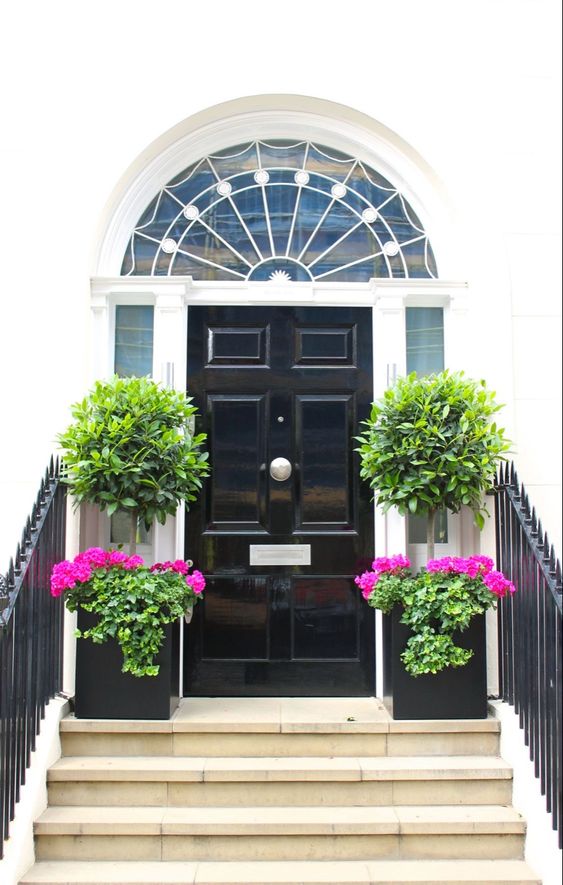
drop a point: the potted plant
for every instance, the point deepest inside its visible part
(127, 612)
(131, 448)
(432, 443)
(434, 635)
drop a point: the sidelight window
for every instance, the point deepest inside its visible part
(425, 354)
(425, 339)
(134, 332)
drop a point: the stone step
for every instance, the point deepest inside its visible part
(174, 781)
(368, 872)
(288, 833)
(199, 735)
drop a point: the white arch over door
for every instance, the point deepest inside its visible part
(280, 116)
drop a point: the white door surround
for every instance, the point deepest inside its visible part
(294, 117)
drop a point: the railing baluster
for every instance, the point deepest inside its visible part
(31, 639)
(530, 623)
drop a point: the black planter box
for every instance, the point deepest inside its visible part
(454, 693)
(104, 692)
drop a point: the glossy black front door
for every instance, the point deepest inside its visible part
(282, 615)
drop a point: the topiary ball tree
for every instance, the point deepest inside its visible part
(431, 443)
(131, 448)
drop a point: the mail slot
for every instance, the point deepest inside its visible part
(280, 554)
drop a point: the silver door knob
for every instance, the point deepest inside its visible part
(280, 469)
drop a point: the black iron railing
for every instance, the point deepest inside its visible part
(31, 640)
(530, 634)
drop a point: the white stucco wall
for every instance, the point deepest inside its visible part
(472, 86)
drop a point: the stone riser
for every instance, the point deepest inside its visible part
(264, 744)
(280, 792)
(236, 848)
(382, 872)
(424, 792)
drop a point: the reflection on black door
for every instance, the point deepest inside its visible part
(286, 619)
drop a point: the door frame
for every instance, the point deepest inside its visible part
(283, 382)
(171, 297)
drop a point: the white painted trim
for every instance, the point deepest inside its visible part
(19, 851)
(541, 851)
(242, 292)
(171, 296)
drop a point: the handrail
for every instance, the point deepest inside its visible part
(31, 640)
(530, 634)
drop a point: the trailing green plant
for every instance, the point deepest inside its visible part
(436, 604)
(431, 443)
(132, 602)
(131, 448)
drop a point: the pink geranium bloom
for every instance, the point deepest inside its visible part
(117, 557)
(498, 584)
(65, 575)
(478, 565)
(367, 582)
(473, 566)
(445, 564)
(133, 562)
(390, 563)
(196, 582)
(95, 557)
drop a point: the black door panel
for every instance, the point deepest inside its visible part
(293, 383)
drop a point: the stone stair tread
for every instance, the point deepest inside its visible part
(400, 872)
(251, 768)
(278, 820)
(279, 716)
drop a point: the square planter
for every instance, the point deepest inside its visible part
(454, 693)
(104, 692)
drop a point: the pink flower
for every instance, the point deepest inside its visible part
(498, 584)
(399, 562)
(457, 565)
(445, 564)
(65, 575)
(178, 566)
(479, 565)
(196, 581)
(390, 564)
(95, 557)
(116, 557)
(133, 562)
(162, 566)
(448, 564)
(367, 582)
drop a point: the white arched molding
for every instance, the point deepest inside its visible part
(280, 116)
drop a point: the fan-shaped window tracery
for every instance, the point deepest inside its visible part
(280, 210)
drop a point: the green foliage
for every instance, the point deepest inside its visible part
(389, 591)
(132, 608)
(435, 606)
(130, 448)
(430, 443)
(430, 652)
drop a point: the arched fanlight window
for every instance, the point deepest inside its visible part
(280, 210)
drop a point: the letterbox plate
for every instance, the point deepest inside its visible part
(280, 554)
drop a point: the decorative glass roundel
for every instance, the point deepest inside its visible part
(279, 211)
